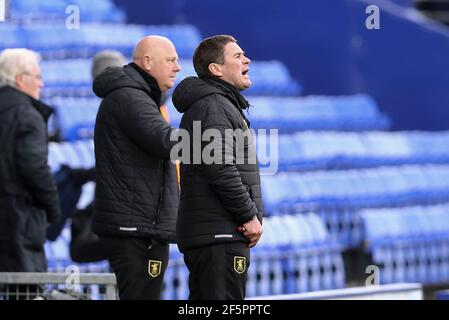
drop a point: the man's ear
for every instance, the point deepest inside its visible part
(19, 81)
(215, 69)
(148, 62)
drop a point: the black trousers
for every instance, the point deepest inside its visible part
(139, 265)
(218, 272)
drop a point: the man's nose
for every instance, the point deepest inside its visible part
(177, 67)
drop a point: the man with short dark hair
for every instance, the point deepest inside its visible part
(221, 209)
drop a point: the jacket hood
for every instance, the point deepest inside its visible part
(189, 91)
(113, 78)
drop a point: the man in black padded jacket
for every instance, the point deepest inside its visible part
(136, 197)
(221, 209)
(28, 195)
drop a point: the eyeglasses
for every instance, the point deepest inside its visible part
(36, 76)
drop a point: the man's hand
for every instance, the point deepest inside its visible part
(252, 230)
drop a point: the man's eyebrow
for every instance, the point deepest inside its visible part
(239, 53)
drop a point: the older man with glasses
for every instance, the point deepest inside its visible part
(28, 195)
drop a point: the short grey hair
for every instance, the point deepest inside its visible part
(107, 58)
(14, 62)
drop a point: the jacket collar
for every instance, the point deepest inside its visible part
(150, 81)
(18, 97)
(229, 90)
(231, 93)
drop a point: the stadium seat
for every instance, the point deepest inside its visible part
(408, 244)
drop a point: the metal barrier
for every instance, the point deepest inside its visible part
(398, 291)
(57, 286)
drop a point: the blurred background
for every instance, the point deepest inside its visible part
(362, 114)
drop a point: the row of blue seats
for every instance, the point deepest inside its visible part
(345, 150)
(55, 40)
(300, 152)
(409, 244)
(91, 11)
(291, 114)
(268, 77)
(346, 226)
(380, 187)
(306, 151)
(354, 112)
(411, 224)
(76, 116)
(286, 192)
(296, 254)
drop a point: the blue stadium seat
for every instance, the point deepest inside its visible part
(315, 113)
(410, 243)
(78, 154)
(274, 192)
(272, 78)
(175, 285)
(75, 117)
(58, 252)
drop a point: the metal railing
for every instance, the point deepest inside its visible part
(57, 286)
